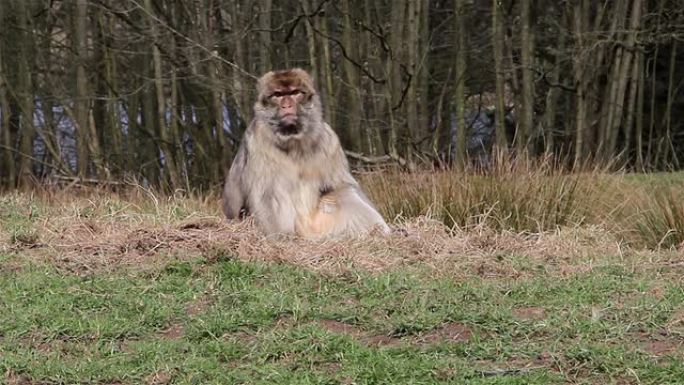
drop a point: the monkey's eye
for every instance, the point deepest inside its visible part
(279, 94)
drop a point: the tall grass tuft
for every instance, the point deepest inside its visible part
(659, 221)
(522, 196)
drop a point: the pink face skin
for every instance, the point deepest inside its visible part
(287, 99)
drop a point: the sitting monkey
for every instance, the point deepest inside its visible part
(290, 171)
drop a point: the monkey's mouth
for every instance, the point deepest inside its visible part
(288, 128)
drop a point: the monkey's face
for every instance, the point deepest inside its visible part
(287, 102)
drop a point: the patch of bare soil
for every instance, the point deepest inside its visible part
(329, 367)
(453, 332)
(448, 332)
(518, 365)
(12, 378)
(660, 344)
(341, 327)
(173, 332)
(544, 359)
(663, 347)
(159, 378)
(197, 306)
(368, 339)
(380, 340)
(530, 313)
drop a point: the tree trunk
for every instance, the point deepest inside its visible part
(580, 81)
(326, 77)
(459, 93)
(375, 64)
(24, 92)
(311, 39)
(164, 136)
(501, 144)
(113, 135)
(394, 89)
(423, 84)
(82, 101)
(667, 148)
(639, 129)
(631, 109)
(623, 77)
(243, 96)
(524, 139)
(552, 96)
(415, 132)
(265, 35)
(7, 166)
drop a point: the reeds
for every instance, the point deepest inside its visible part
(539, 196)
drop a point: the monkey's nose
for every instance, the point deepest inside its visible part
(288, 112)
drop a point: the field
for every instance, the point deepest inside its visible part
(513, 278)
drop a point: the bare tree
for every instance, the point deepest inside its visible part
(459, 94)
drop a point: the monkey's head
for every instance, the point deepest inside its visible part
(288, 103)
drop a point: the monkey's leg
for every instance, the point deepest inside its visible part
(322, 220)
(341, 213)
(355, 214)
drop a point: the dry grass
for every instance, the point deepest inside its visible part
(91, 234)
(642, 211)
(456, 223)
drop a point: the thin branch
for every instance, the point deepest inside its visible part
(298, 18)
(346, 56)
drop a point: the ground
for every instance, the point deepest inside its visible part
(110, 290)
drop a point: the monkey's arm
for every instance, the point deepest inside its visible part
(234, 197)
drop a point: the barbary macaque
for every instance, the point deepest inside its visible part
(290, 171)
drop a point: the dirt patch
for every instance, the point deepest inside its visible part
(368, 339)
(243, 337)
(663, 348)
(329, 367)
(529, 313)
(159, 378)
(515, 366)
(12, 378)
(659, 344)
(658, 290)
(198, 306)
(284, 320)
(676, 320)
(341, 328)
(173, 332)
(381, 340)
(488, 269)
(543, 359)
(449, 332)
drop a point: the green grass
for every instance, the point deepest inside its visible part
(236, 322)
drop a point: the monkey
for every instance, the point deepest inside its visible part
(290, 172)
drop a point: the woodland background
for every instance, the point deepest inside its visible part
(159, 92)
